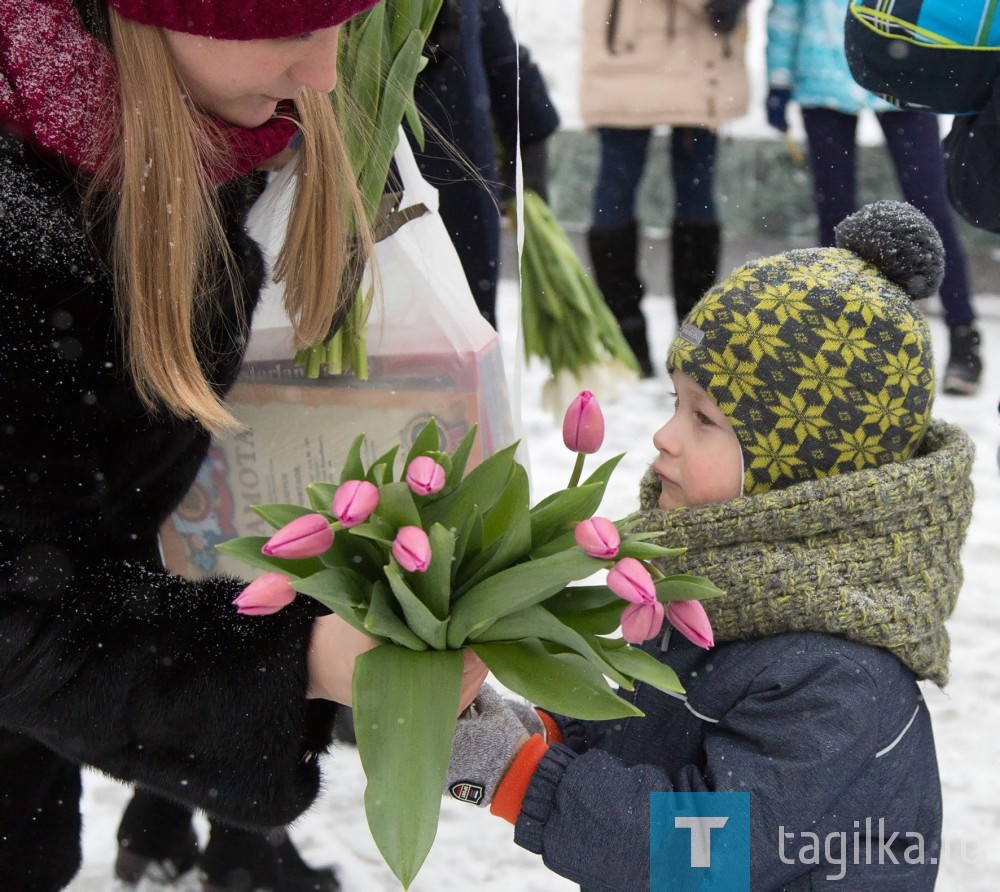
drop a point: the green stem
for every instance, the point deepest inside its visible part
(577, 470)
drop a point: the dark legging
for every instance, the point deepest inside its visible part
(914, 145)
(623, 157)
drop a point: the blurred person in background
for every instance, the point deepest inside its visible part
(679, 64)
(806, 64)
(478, 94)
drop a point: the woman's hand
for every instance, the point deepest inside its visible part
(474, 673)
(334, 647)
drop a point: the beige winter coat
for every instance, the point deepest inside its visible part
(650, 62)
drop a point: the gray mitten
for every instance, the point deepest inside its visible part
(487, 738)
(528, 717)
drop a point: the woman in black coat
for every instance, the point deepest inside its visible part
(130, 133)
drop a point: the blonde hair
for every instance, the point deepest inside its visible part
(168, 229)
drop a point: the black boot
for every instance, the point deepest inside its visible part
(965, 365)
(155, 840)
(694, 262)
(242, 861)
(614, 256)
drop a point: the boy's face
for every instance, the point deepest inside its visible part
(700, 460)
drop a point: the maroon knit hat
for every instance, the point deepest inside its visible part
(241, 19)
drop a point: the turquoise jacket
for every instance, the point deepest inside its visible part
(805, 52)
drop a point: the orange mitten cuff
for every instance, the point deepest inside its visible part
(514, 784)
(553, 733)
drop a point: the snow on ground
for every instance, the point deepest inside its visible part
(475, 850)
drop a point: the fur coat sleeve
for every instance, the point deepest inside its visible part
(104, 657)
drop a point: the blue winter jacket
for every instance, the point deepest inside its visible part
(805, 52)
(829, 736)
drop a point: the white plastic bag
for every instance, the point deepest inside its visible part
(430, 353)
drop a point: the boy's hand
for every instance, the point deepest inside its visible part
(488, 737)
(528, 716)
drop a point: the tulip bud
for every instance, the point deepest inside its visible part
(412, 549)
(304, 537)
(598, 537)
(583, 424)
(267, 594)
(425, 476)
(640, 622)
(354, 501)
(629, 579)
(689, 618)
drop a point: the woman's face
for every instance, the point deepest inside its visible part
(242, 81)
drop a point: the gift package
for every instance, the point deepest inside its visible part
(430, 354)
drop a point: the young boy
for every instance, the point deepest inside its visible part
(804, 475)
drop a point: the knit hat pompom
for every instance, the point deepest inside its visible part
(819, 357)
(900, 241)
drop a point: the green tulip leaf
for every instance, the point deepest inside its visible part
(460, 457)
(642, 667)
(507, 530)
(480, 490)
(337, 588)
(515, 588)
(419, 618)
(433, 587)
(643, 551)
(537, 622)
(279, 515)
(468, 538)
(560, 542)
(603, 473)
(581, 598)
(386, 461)
(404, 731)
(396, 507)
(427, 440)
(353, 468)
(383, 621)
(563, 510)
(365, 554)
(321, 495)
(511, 510)
(683, 587)
(248, 550)
(565, 683)
(598, 620)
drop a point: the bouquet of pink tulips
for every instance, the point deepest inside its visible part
(439, 560)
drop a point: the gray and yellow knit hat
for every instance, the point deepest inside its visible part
(818, 357)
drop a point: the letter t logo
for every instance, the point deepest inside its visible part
(701, 837)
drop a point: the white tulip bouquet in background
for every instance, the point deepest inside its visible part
(437, 560)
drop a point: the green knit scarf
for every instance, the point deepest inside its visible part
(873, 555)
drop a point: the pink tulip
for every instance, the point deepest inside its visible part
(412, 549)
(640, 622)
(304, 537)
(425, 476)
(583, 424)
(354, 501)
(598, 537)
(629, 579)
(267, 594)
(689, 618)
